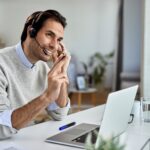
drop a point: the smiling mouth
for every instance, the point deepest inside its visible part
(47, 52)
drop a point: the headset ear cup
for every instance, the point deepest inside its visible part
(32, 32)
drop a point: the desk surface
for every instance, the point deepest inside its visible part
(33, 137)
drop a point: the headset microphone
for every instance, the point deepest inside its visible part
(39, 44)
(46, 51)
(33, 33)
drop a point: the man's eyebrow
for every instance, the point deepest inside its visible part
(51, 32)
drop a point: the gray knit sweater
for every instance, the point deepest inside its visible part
(19, 85)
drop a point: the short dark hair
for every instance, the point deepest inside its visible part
(37, 19)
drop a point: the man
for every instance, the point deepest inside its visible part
(27, 86)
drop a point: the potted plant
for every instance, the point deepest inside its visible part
(99, 62)
(103, 144)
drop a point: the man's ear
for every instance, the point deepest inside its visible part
(32, 32)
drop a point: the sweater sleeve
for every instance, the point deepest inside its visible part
(5, 130)
(58, 113)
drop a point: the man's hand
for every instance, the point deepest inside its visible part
(57, 77)
(60, 51)
(63, 96)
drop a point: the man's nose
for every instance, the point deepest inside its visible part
(54, 44)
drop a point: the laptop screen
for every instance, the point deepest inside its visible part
(117, 112)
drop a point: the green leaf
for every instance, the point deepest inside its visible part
(99, 62)
(104, 144)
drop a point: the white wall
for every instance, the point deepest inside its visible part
(145, 75)
(92, 24)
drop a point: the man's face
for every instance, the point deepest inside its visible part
(46, 42)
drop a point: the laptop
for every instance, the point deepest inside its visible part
(115, 121)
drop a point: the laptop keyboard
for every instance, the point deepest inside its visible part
(82, 138)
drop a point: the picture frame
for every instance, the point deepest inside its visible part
(81, 82)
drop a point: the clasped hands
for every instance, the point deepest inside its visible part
(58, 73)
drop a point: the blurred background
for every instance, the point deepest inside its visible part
(108, 41)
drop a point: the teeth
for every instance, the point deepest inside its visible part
(47, 52)
(44, 52)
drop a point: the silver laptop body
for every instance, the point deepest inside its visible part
(115, 120)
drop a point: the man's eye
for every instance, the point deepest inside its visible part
(48, 34)
(59, 40)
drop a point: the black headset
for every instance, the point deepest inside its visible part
(33, 31)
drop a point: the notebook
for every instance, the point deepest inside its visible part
(115, 121)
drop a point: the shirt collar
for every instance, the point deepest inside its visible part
(23, 57)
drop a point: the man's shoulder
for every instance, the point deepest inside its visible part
(7, 52)
(7, 49)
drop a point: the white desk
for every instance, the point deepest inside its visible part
(32, 138)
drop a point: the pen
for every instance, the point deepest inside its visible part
(67, 126)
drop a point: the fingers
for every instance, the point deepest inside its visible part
(61, 62)
(54, 85)
(66, 63)
(61, 50)
(61, 65)
(57, 65)
(61, 78)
